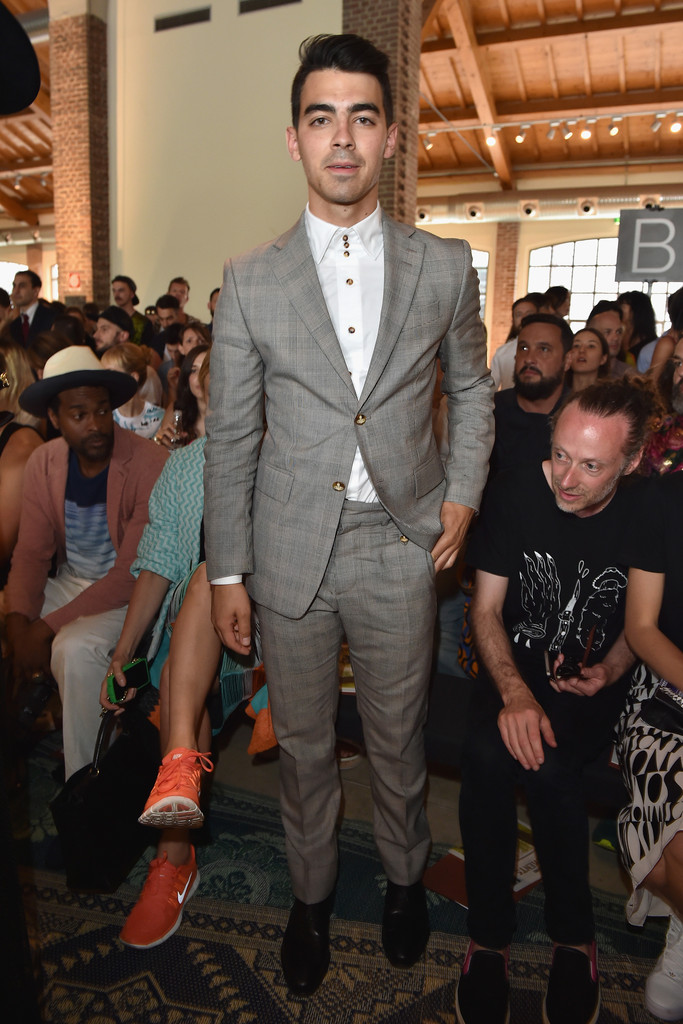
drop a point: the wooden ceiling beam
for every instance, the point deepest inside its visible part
(430, 10)
(624, 24)
(16, 210)
(551, 109)
(458, 15)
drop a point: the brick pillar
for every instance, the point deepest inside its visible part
(394, 26)
(78, 67)
(504, 282)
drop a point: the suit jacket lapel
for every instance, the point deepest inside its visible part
(403, 255)
(294, 268)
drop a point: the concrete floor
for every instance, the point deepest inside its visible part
(236, 767)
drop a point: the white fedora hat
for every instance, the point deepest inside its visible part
(75, 367)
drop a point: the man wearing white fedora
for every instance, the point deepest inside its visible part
(84, 504)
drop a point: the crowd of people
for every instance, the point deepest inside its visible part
(309, 500)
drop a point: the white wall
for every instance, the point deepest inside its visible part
(198, 164)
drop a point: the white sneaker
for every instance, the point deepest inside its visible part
(664, 987)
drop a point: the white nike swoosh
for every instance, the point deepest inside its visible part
(181, 895)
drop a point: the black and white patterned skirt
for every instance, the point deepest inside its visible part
(652, 765)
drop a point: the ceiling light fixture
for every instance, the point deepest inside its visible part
(428, 144)
(614, 125)
(568, 130)
(554, 125)
(676, 124)
(521, 134)
(17, 181)
(491, 139)
(43, 181)
(657, 123)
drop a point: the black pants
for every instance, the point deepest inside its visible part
(555, 798)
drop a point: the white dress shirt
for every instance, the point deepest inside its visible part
(350, 267)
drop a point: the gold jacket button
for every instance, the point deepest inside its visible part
(403, 539)
(359, 420)
(338, 486)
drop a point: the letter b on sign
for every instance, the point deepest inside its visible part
(650, 246)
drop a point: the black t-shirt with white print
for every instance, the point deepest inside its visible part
(566, 574)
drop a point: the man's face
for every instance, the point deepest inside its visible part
(23, 292)
(180, 292)
(521, 310)
(610, 325)
(85, 420)
(107, 335)
(342, 140)
(122, 293)
(677, 385)
(587, 460)
(540, 361)
(166, 317)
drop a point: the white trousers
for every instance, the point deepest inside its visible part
(81, 652)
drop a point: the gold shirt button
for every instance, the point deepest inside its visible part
(345, 238)
(338, 486)
(352, 330)
(346, 254)
(349, 280)
(360, 419)
(403, 539)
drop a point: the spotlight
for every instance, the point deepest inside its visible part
(17, 181)
(43, 181)
(554, 125)
(428, 144)
(676, 124)
(587, 132)
(521, 134)
(491, 139)
(568, 130)
(657, 123)
(614, 125)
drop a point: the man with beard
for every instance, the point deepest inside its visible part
(547, 616)
(522, 412)
(84, 504)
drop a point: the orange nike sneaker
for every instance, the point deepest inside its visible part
(159, 909)
(174, 800)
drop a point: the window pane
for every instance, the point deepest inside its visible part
(607, 251)
(583, 279)
(538, 279)
(586, 252)
(563, 255)
(540, 257)
(581, 307)
(604, 281)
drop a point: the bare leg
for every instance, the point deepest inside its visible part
(186, 680)
(666, 878)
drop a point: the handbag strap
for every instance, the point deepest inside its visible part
(106, 726)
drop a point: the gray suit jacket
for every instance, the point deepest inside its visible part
(271, 507)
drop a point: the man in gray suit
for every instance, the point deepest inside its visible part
(340, 515)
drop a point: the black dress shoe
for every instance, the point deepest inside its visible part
(305, 953)
(405, 926)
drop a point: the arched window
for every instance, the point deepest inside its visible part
(480, 261)
(587, 267)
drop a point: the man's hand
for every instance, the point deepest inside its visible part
(455, 519)
(231, 616)
(522, 723)
(590, 682)
(31, 644)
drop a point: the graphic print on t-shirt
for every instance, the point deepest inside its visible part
(569, 617)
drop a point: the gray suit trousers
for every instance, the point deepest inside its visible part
(378, 591)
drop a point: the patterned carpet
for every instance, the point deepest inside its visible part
(222, 966)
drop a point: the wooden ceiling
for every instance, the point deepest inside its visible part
(26, 138)
(525, 73)
(531, 70)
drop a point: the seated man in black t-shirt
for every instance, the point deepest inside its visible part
(549, 593)
(522, 413)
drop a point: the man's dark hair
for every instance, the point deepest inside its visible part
(31, 274)
(91, 311)
(605, 306)
(342, 53)
(555, 296)
(214, 292)
(533, 298)
(4, 298)
(179, 280)
(631, 396)
(566, 333)
(167, 302)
